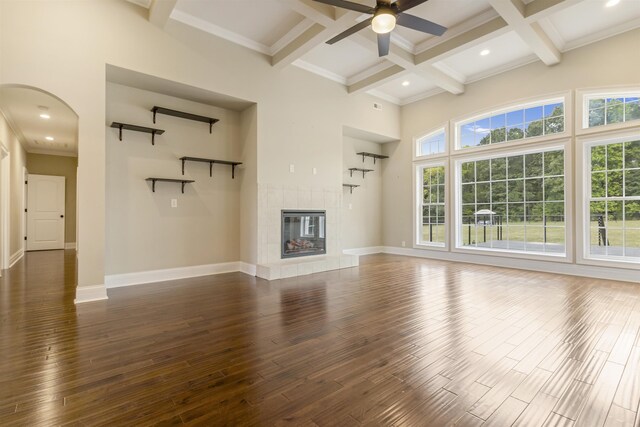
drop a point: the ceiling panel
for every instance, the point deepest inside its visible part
(23, 106)
(505, 49)
(395, 88)
(444, 12)
(591, 17)
(263, 21)
(344, 58)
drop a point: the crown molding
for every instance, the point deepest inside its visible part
(51, 152)
(601, 35)
(319, 71)
(421, 96)
(379, 94)
(218, 31)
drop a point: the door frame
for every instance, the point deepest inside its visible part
(5, 166)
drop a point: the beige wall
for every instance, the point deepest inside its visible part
(248, 185)
(614, 61)
(300, 115)
(42, 164)
(362, 209)
(143, 231)
(18, 161)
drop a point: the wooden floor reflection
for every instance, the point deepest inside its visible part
(396, 341)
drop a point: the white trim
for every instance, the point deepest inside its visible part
(384, 96)
(363, 251)
(520, 62)
(90, 293)
(16, 257)
(444, 128)
(291, 35)
(247, 268)
(5, 210)
(51, 152)
(564, 97)
(601, 35)
(421, 96)
(568, 256)
(581, 114)
(217, 31)
(70, 245)
(163, 275)
(583, 188)
(607, 273)
(319, 71)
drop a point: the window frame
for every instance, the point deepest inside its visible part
(442, 128)
(506, 151)
(564, 97)
(417, 204)
(583, 96)
(583, 170)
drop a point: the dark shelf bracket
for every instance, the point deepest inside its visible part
(184, 115)
(181, 181)
(373, 155)
(351, 170)
(211, 162)
(136, 128)
(351, 187)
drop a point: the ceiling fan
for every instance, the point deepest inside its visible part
(385, 16)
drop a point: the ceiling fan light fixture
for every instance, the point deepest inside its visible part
(384, 21)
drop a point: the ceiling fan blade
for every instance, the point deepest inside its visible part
(383, 44)
(348, 5)
(408, 4)
(352, 30)
(419, 24)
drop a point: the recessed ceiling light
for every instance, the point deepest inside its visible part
(406, 83)
(612, 3)
(45, 116)
(485, 52)
(48, 138)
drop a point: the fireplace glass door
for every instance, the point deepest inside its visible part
(303, 233)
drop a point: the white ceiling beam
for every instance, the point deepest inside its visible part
(311, 38)
(392, 72)
(513, 12)
(321, 13)
(407, 61)
(539, 9)
(160, 11)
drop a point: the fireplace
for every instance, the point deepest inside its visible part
(303, 233)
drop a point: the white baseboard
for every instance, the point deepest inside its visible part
(141, 277)
(364, 251)
(70, 245)
(16, 257)
(607, 273)
(247, 268)
(90, 293)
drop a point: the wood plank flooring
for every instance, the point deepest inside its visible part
(396, 341)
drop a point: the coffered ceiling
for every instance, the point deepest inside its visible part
(514, 32)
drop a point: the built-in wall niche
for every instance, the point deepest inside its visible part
(179, 203)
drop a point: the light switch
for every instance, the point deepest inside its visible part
(292, 168)
(315, 171)
(174, 203)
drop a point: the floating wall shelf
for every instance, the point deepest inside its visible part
(183, 115)
(374, 155)
(211, 162)
(137, 128)
(351, 170)
(351, 187)
(182, 181)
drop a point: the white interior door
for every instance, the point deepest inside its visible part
(45, 212)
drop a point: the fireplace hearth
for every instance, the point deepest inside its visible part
(303, 233)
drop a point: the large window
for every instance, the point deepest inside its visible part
(614, 200)
(433, 143)
(606, 110)
(523, 122)
(513, 203)
(431, 224)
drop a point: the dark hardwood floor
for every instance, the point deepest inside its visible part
(397, 341)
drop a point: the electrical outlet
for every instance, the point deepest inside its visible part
(292, 168)
(315, 171)
(350, 206)
(403, 244)
(174, 203)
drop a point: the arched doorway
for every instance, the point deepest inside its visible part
(39, 136)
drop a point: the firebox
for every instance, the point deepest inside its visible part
(303, 233)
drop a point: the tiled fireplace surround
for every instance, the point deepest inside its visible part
(272, 200)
